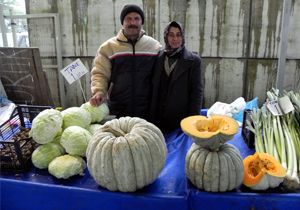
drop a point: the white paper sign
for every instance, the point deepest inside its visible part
(286, 104)
(274, 108)
(74, 71)
(280, 107)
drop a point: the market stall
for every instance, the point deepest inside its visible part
(171, 190)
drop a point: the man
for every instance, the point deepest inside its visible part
(123, 67)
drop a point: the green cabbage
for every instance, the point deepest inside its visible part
(93, 128)
(46, 125)
(76, 116)
(75, 140)
(97, 113)
(65, 166)
(44, 154)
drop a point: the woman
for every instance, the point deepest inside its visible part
(177, 82)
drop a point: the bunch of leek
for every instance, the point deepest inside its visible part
(279, 136)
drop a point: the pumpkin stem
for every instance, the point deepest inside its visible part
(114, 130)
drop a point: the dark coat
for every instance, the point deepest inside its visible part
(181, 96)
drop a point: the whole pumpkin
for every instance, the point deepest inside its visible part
(214, 171)
(126, 154)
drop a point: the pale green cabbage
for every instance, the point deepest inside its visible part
(46, 126)
(44, 154)
(63, 167)
(76, 116)
(75, 140)
(93, 128)
(97, 113)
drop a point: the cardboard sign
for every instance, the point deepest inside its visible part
(74, 71)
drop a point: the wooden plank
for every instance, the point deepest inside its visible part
(22, 76)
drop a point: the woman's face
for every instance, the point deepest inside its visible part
(174, 37)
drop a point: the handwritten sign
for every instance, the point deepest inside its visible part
(74, 71)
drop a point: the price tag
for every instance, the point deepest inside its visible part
(274, 108)
(286, 104)
(74, 71)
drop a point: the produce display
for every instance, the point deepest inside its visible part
(211, 164)
(279, 135)
(126, 154)
(63, 138)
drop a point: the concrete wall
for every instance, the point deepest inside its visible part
(237, 39)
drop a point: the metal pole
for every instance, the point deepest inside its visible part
(59, 60)
(283, 44)
(13, 29)
(3, 28)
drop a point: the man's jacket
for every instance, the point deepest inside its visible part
(123, 70)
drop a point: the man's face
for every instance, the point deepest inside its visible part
(132, 25)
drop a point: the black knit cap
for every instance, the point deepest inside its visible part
(131, 8)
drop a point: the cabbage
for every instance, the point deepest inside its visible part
(75, 140)
(93, 128)
(65, 166)
(97, 113)
(46, 125)
(76, 116)
(44, 154)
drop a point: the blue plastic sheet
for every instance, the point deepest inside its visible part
(37, 189)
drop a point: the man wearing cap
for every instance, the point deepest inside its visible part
(123, 65)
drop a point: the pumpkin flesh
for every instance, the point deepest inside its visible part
(262, 171)
(210, 132)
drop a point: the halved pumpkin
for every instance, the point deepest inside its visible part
(210, 132)
(262, 171)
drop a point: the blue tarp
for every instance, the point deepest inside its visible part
(37, 189)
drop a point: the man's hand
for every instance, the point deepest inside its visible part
(97, 99)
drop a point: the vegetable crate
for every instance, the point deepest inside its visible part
(16, 146)
(246, 133)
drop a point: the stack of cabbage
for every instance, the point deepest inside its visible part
(63, 138)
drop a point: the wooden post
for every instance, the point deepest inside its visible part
(283, 44)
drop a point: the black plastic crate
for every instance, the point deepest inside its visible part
(247, 134)
(16, 146)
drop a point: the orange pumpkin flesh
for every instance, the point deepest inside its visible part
(262, 171)
(210, 132)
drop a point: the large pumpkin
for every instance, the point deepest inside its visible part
(126, 154)
(262, 171)
(214, 171)
(210, 132)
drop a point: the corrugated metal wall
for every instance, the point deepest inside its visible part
(237, 39)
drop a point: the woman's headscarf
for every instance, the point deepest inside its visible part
(169, 51)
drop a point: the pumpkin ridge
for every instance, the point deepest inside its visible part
(232, 171)
(137, 165)
(207, 171)
(200, 169)
(215, 172)
(223, 176)
(106, 166)
(238, 163)
(188, 159)
(123, 165)
(153, 152)
(192, 164)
